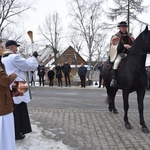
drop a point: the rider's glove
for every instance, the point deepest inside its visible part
(35, 54)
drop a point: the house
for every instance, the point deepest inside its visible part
(73, 58)
(46, 56)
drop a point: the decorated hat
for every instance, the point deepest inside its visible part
(122, 24)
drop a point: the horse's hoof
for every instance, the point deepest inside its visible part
(115, 111)
(128, 126)
(145, 130)
(110, 109)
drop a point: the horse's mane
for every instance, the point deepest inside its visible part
(137, 45)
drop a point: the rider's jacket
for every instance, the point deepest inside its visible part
(117, 44)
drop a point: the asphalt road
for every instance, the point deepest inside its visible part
(79, 98)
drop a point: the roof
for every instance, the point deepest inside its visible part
(45, 54)
(69, 54)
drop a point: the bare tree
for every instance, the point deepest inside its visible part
(76, 42)
(86, 15)
(51, 31)
(10, 10)
(100, 50)
(127, 10)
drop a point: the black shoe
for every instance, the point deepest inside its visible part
(110, 109)
(113, 83)
(20, 137)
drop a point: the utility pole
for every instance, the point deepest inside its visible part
(128, 16)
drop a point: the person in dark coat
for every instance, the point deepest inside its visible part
(66, 70)
(59, 74)
(100, 68)
(82, 71)
(51, 75)
(41, 74)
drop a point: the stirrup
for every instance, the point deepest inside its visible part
(113, 83)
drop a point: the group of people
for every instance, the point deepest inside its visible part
(66, 69)
(14, 117)
(60, 70)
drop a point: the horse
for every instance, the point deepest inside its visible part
(131, 76)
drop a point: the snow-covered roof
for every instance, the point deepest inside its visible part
(45, 53)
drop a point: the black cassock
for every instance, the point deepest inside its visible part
(21, 119)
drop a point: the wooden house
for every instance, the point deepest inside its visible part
(73, 58)
(70, 55)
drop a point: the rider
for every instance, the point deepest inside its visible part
(119, 47)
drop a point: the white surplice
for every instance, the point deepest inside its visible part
(7, 134)
(14, 63)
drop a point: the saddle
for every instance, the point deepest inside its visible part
(108, 65)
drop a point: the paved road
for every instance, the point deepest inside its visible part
(78, 119)
(79, 98)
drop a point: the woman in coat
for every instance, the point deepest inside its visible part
(59, 74)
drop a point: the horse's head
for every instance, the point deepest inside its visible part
(142, 42)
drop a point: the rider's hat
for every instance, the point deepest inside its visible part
(122, 24)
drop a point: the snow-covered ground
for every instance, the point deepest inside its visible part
(36, 141)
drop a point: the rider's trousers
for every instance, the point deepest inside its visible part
(117, 60)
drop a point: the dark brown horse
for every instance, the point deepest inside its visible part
(131, 77)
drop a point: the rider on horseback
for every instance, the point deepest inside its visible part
(119, 45)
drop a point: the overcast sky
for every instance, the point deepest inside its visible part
(44, 7)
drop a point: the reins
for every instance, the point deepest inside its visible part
(138, 53)
(134, 52)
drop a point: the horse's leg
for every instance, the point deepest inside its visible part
(111, 92)
(110, 103)
(140, 98)
(126, 107)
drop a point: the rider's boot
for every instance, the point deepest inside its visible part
(113, 82)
